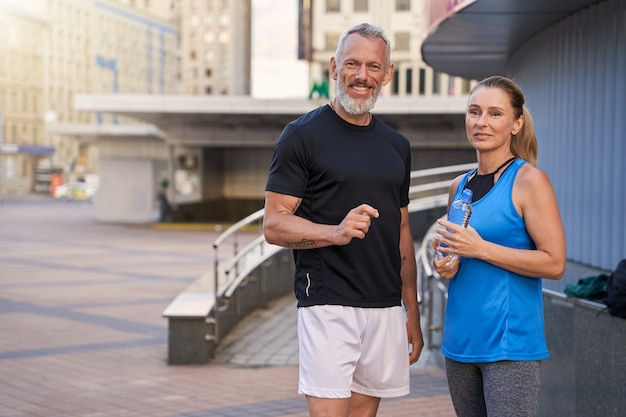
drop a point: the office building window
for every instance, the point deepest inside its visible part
(403, 5)
(331, 41)
(409, 81)
(436, 83)
(395, 82)
(422, 81)
(333, 6)
(451, 91)
(360, 5)
(402, 41)
(466, 86)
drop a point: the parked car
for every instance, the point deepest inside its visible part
(74, 191)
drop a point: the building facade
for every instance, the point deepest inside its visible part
(22, 135)
(51, 50)
(103, 46)
(215, 46)
(323, 21)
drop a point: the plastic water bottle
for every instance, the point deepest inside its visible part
(460, 212)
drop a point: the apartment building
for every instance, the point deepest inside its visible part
(22, 142)
(103, 46)
(51, 50)
(405, 21)
(215, 44)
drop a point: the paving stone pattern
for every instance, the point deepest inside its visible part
(81, 332)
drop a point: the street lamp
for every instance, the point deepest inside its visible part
(110, 64)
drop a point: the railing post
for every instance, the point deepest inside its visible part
(212, 320)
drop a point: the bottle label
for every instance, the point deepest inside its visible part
(460, 217)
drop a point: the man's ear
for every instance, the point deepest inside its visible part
(332, 70)
(388, 75)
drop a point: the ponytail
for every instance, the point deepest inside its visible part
(524, 143)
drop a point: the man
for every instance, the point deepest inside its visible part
(337, 194)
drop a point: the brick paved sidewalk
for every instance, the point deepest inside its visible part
(81, 332)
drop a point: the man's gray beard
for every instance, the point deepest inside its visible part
(351, 106)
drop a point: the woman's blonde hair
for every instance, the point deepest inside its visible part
(524, 143)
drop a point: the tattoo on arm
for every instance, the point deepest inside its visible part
(296, 205)
(303, 244)
(402, 261)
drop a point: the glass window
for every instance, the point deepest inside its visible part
(403, 5)
(451, 91)
(395, 82)
(331, 40)
(360, 5)
(409, 81)
(402, 41)
(209, 37)
(422, 82)
(465, 86)
(333, 6)
(436, 83)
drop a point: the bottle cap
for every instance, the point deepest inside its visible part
(466, 195)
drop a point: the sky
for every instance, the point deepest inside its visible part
(276, 71)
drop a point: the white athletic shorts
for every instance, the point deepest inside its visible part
(351, 349)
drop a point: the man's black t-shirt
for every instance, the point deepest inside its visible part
(334, 166)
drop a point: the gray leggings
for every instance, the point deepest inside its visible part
(494, 389)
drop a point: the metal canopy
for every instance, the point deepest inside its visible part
(246, 121)
(477, 40)
(168, 110)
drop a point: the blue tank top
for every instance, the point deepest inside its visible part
(493, 314)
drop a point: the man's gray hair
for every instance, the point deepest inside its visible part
(367, 31)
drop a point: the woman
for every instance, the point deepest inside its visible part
(493, 334)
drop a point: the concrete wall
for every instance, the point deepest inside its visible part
(586, 373)
(127, 191)
(187, 342)
(130, 169)
(232, 170)
(573, 75)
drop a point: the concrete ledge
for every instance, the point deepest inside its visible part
(586, 373)
(190, 328)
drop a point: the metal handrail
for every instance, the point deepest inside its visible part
(423, 196)
(232, 262)
(248, 268)
(429, 172)
(433, 289)
(238, 226)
